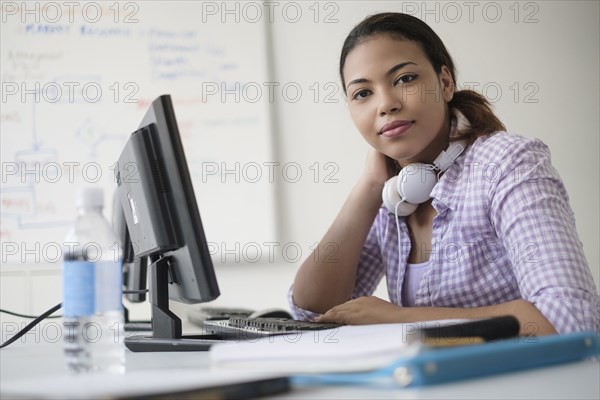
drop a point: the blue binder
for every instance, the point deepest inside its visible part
(433, 366)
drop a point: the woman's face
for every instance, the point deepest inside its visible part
(396, 99)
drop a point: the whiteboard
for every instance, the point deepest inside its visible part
(77, 79)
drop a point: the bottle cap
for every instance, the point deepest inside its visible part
(90, 197)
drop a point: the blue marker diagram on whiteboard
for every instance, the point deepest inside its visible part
(41, 163)
(73, 91)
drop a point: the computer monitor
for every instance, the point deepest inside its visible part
(157, 196)
(134, 267)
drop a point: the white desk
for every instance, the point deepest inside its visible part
(36, 359)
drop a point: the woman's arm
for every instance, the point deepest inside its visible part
(530, 212)
(372, 310)
(328, 276)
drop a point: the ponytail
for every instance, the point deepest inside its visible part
(478, 111)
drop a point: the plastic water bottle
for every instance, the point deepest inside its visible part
(92, 290)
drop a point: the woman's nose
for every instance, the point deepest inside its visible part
(389, 104)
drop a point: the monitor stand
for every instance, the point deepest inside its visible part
(166, 326)
(135, 326)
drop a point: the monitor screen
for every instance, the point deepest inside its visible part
(163, 221)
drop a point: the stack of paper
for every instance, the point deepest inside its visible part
(394, 354)
(344, 349)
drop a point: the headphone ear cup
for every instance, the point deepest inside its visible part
(415, 182)
(406, 208)
(391, 198)
(390, 194)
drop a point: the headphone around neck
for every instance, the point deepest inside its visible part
(403, 193)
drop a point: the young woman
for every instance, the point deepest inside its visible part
(495, 237)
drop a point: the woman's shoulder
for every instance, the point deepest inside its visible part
(504, 147)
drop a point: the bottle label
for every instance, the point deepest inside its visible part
(78, 289)
(108, 286)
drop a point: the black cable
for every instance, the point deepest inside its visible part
(60, 316)
(25, 315)
(31, 325)
(45, 315)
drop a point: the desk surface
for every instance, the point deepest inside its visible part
(37, 359)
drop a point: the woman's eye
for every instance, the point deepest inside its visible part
(406, 78)
(361, 94)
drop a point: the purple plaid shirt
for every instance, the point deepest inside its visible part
(504, 230)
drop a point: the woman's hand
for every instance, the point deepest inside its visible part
(373, 310)
(378, 168)
(364, 310)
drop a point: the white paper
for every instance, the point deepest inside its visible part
(347, 348)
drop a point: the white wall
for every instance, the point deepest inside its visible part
(554, 61)
(545, 64)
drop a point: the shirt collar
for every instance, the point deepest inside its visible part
(447, 192)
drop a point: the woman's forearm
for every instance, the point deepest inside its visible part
(531, 320)
(327, 277)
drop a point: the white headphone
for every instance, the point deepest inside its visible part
(403, 193)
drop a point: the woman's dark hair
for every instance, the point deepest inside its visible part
(473, 106)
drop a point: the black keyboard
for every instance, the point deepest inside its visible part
(199, 315)
(240, 328)
(225, 312)
(275, 325)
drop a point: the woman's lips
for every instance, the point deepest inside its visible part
(395, 128)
